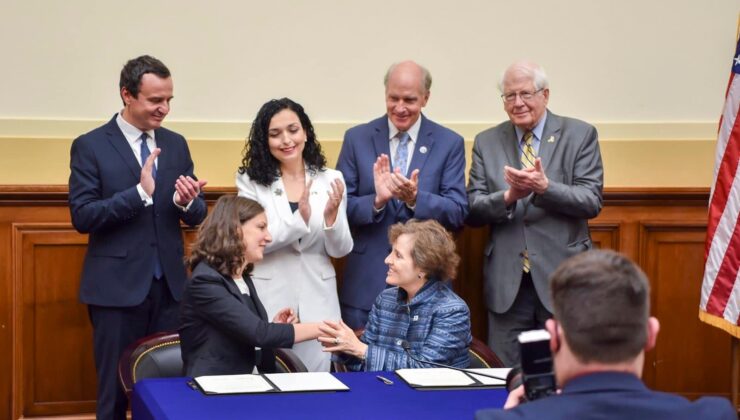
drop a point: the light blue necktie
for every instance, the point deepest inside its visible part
(402, 152)
(157, 271)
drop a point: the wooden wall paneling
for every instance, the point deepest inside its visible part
(7, 305)
(690, 357)
(471, 243)
(56, 371)
(605, 235)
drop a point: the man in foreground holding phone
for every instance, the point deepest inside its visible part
(599, 333)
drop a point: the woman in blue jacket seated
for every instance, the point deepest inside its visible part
(222, 319)
(421, 312)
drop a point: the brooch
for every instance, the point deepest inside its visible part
(278, 192)
(551, 139)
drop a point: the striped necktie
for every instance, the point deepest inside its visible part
(527, 160)
(528, 155)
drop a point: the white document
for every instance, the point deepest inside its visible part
(500, 372)
(233, 384)
(306, 381)
(441, 377)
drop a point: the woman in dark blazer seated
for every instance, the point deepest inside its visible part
(222, 319)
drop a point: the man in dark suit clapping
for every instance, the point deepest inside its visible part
(131, 184)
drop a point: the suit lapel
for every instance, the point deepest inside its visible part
(231, 287)
(380, 138)
(511, 147)
(550, 138)
(255, 299)
(280, 199)
(121, 145)
(423, 147)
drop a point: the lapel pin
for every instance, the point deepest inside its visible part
(423, 149)
(551, 139)
(278, 192)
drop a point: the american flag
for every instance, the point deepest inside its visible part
(720, 291)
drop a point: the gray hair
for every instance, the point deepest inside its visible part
(426, 76)
(532, 70)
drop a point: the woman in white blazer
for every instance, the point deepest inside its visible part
(284, 170)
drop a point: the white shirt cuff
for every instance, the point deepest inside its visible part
(148, 201)
(186, 207)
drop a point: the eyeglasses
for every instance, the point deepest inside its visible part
(525, 95)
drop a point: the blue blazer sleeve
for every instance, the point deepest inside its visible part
(448, 205)
(89, 210)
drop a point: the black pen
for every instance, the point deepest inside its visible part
(384, 380)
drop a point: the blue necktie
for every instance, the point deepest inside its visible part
(402, 153)
(157, 271)
(145, 154)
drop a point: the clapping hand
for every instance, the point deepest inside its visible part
(304, 207)
(527, 180)
(147, 180)
(405, 188)
(332, 204)
(382, 180)
(187, 189)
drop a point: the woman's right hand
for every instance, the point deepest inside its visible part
(304, 207)
(286, 316)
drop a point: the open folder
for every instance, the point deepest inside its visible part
(442, 378)
(270, 382)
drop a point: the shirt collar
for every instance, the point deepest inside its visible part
(413, 130)
(129, 131)
(537, 130)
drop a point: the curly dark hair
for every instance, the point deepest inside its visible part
(134, 69)
(434, 250)
(258, 162)
(219, 242)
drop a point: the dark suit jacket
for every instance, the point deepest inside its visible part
(104, 202)
(552, 226)
(613, 395)
(439, 154)
(220, 327)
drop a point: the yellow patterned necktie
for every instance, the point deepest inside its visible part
(527, 160)
(528, 155)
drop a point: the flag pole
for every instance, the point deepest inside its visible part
(735, 341)
(735, 372)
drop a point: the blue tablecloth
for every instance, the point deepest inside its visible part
(368, 398)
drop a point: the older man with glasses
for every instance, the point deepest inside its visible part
(536, 180)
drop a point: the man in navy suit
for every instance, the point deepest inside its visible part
(397, 167)
(131, 184)
(598, 338)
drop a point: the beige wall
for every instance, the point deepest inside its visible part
(650, 74)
